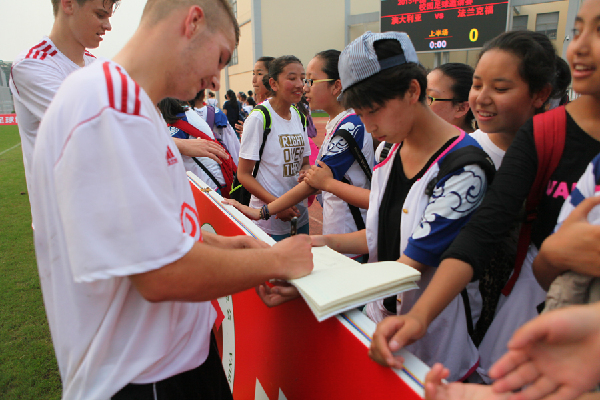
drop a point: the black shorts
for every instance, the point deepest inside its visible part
(206, 382)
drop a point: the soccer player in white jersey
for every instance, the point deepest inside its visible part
(125, 272)
(38, 71)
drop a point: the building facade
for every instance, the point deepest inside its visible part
(279, 27)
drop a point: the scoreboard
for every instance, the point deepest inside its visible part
(441, 25)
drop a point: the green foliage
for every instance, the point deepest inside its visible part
(28, 368)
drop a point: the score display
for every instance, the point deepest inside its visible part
(440, 25)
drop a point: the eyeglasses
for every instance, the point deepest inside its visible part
(310, 82)
(431, 100)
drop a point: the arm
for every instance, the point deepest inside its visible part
(207, 272)
(36, 85)
(556, 354)
(321, 178)
(352, 243)
(440, 224)
(200, 148)
(573, 247)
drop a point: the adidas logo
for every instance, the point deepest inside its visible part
(171, 159)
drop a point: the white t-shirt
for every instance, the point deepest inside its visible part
(495, 152)
(112, 200)
(285, 149)
(212, 102)
(35, 77)
(211, 165)
(337, 217)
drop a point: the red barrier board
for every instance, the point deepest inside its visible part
(8, 119)
(283, 352)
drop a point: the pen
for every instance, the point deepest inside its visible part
(294, 229)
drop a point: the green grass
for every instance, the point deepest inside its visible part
(319, 114)
(28, 368)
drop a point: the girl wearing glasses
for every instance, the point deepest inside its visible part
(448, 94)
(286, 150)
(322, 87)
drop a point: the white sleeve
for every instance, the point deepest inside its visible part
(36, 84)
(117, 200)
(252, 136)
(231, 141)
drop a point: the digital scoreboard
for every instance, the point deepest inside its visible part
(441, 25)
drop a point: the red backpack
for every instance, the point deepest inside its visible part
(228, 167)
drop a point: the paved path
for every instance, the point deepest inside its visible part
(315, 211)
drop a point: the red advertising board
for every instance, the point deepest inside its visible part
(8, 119)
(283, 352)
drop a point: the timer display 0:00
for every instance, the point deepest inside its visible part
(440, 44)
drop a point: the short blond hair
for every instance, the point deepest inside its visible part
(155, 10)
(56, 4)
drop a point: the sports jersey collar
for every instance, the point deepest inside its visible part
(335, 121)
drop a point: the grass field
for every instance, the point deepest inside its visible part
(28, 367)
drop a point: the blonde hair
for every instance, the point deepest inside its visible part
(155, 10)
(56, 4)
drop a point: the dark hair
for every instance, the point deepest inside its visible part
(538, 59)
(251, 101)
(56, 4)
(462, 80)
(391, 83)
(277, 65)
(170, 109)
(250, 93)
(266, 84)
(266, 60)
(211, 94)
(231, 95)
(243, 96)
(330, 63)
(302, 106)
(199, 97)
(563, 79)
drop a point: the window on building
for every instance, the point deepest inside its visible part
(234, 7)
(547, 23)
(234, 57)
(520, 22)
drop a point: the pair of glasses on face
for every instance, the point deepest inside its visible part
(310, 82)
(431, 100)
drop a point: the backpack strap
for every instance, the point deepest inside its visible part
(356, 152)
(207, 172)
(228, 167)
(364, 165)
(302, 117)
(459, 158)
(387, 146)
(549, 131)
(210, 117)
(266, 130)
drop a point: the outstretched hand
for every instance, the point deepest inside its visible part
(391, 335)
(435, 389)
(252, 213)
(556, 355)
(318, 176)
(278, 293)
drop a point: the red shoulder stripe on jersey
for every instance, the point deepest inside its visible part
(123, 90)
(138, 103)
(109, 83)
(87, 53)
(35, 48)
(47, 48)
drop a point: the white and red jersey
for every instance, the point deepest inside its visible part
(35, 77)
(112, 200)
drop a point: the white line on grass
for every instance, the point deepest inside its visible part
(14, 147)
